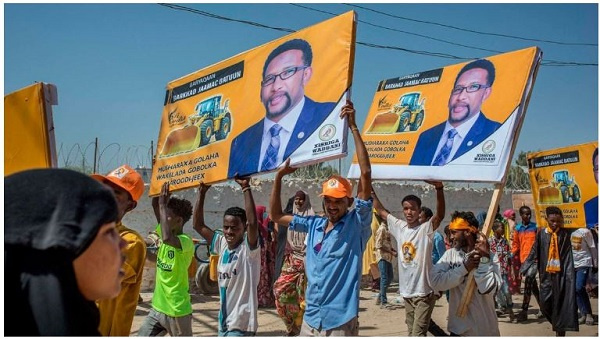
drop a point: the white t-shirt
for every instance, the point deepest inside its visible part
(584, 249)
(450, 274)
(238, 276)
(414, 256)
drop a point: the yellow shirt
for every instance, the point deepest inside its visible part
(116, 315)
(369, 253)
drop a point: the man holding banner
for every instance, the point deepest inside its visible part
(291, 117)
(335, 245)
(466, 126)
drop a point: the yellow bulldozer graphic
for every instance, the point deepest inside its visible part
(209, 119)
(406, 116)
(561, 190)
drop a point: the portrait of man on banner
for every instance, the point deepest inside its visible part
(290, 116)
(466, 126)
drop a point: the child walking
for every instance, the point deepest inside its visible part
(499, 247)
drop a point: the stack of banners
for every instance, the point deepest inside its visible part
(459, 122)
(567, 178)
(251, 112)
(29, 128)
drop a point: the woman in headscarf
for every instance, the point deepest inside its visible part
(61, 252)
(267, 259)
(290, 287)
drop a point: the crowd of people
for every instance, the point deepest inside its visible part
(73, 268)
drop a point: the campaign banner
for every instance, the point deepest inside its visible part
(29, 128)
(567, 178)
(249, 113)
(458, 123)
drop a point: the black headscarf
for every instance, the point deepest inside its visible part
(51, 216)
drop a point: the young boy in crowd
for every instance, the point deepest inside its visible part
(523, 239)
(414, 263)
(171, 304)
(239, 262)
(499, 247)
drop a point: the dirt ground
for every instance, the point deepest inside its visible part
(374, 321)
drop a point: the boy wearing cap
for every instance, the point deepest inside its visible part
(171, 305)
(415, 243)
(116, 315)
(335, 245)
(470, 251)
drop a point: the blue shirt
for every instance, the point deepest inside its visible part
(438, 247)
(334, 265)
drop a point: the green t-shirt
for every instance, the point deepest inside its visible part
(171, 291)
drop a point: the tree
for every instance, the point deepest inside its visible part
(518, 177)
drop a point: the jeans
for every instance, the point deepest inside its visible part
(386, 270)
(583, 300)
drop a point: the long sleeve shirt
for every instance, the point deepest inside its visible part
(451, 274)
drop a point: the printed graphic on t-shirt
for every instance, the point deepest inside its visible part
(408, 254)
(576, 242)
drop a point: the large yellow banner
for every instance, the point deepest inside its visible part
(251, 112)
(458, 123)
(29, 128)
(566, 177)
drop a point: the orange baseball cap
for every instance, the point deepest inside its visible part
(126, 178)
(337, 187)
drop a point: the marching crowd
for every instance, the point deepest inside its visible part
(73, 268)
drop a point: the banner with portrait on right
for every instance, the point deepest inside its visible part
(459, 122)
(567, 178)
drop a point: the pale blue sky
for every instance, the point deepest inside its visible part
(111, 62)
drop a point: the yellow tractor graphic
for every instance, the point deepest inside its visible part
(562, 189)
(406, 116)
(209, 119)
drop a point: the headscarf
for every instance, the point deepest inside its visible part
(263, 221)
(51, 217)
(509, 213)
(306, 208)
(462, 224)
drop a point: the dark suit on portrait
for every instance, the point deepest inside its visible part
(590, 208)
(428, 140)
(245, 148)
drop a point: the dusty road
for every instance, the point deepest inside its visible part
(374, 321)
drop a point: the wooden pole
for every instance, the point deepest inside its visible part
(489, 219)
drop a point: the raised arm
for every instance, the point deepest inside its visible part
(364, 189)
(167, 233)
(198, 219)
(156, 208)
(250, 211)
(440, 208)
(379, 208)
(277, 214)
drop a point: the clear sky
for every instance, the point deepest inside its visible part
(111, 62)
